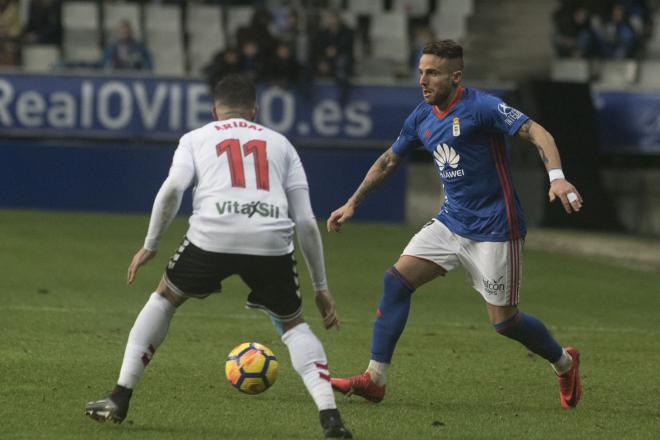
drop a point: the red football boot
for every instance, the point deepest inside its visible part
(570, 389)
(360, 385)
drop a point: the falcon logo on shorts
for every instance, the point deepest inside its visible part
(493, 287)
(447, 160)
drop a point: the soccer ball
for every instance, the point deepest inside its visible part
(251, 368)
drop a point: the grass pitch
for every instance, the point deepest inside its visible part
(65, 314)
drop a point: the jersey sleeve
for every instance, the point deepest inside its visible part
(295, 175)
(495, 115)
(183, 155)
(408, 139)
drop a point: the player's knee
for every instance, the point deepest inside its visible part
(282, 327)
(167, 293)
(396, 284)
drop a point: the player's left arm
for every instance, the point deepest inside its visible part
(547, 148)
(311, 246)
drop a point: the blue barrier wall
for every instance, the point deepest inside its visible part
(125, 107)
(125, 178)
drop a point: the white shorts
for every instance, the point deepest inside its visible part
(494, 267)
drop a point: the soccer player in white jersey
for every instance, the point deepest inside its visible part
(480, 224)
(250, 194)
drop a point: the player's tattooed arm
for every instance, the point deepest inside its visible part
(379, 172)
(376, 176)
(524, 129)
(543, 141)
(560, 188)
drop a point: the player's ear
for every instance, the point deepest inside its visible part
(457, 76)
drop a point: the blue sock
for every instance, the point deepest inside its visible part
(391, 316)
(531, 333)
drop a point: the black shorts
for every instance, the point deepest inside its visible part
(273, 280)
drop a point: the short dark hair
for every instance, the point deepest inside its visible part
(448, 49)
(235, 91)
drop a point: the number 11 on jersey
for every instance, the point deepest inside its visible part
(233, 149)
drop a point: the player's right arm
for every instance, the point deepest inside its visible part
(379, 172)
(166, 205)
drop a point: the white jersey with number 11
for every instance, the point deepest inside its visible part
(243, 171)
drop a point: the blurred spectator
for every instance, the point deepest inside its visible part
(573, 35)
(284, 68)
(126, 52)
(253, 60)
(223, 63)
(616, 37)
(10, 32)
(44, 25)
(639, 16)
(256, 45)
(258, 32)
(334, 52)
(290, 33)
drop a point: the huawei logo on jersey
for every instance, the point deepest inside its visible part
(446, 156)
(447, 160)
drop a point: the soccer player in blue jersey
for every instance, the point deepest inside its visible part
(480, 225)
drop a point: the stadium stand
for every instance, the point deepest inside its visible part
(619, 73)
(350, 18)
(507, 43)
(653, 44)
(164, 37)
(389, 37)
(206, 34)
(412, 8)
(570, 70)
(451, 19)
(40, 57)
(649, 73)
(449, 26)
(365, 7)
(456, 8)
(81, 42)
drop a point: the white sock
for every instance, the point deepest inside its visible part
(378, 372)
(563, 364)
(148, 332)
(309, 360)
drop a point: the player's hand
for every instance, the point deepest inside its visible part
(567, 194)
(339, 217)
(139, 259)
(326, 305)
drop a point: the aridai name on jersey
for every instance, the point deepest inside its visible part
(244, 171)
(237, 123)
(469, 148)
